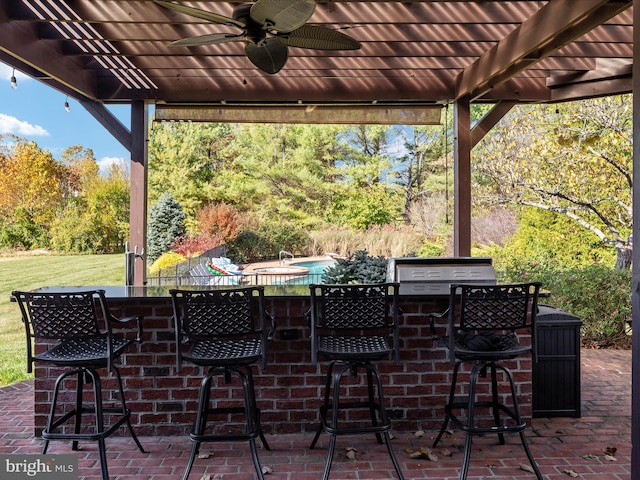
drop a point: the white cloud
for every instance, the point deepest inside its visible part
(10, 124)
(105, 162)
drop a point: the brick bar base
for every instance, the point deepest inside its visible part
(289, 390)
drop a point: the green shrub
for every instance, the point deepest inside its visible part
(600, 296)
(359, 268)
(547, 238)
(266, 241)
(429, 249)
(166, 260)
(248, 246)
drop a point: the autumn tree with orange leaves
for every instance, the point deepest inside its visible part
(31, 191)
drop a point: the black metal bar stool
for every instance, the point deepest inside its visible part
(352, 326)
(225, 329)
(484, 323)
(69, 322)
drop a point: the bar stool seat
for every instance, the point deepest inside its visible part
(69, 324)
(225, 331)
(351, 326)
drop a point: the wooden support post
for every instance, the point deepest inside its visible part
(138, 194)
(635, 291)
(462, 178)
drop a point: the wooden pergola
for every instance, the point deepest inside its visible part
(416, 57)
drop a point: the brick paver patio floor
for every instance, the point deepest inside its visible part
(560, 445)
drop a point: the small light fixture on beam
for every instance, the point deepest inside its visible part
(14, 82)
(66, 105)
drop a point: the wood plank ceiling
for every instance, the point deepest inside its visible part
(414, 53)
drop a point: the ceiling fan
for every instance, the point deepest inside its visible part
(268, 27)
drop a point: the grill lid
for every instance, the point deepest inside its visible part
(433, 276)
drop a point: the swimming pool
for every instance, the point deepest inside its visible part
(296, 271)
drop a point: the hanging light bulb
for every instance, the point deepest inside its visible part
(66, 105)
(14, 82)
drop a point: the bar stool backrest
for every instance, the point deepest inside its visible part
(63, 316)
(222, 313)
(354, 309)
(492, 308)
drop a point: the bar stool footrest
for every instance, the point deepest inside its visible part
(48, 435)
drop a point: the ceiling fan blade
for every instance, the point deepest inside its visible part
(270, 56)
(282, 15)
(203, 14)
(211, 39)
(318, 38)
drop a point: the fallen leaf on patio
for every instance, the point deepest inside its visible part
(419, 433)
(205, 454)
(446, 452)
(590, 456)
(526, 468)
(218, 476)
(571, 473)
(611, 458)
(610, 451)
(351, 454)
(408, 450)
(423, 453)
(391, 436)
(206, 476)
(266, 470)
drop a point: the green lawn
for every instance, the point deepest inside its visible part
(33, 271)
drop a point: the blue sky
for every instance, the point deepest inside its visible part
(36, 112)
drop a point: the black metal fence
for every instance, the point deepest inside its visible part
(179, 274)
(183, 275)
(193, 272)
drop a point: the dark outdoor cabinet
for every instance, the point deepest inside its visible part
(556, 374)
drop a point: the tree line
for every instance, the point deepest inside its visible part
(62, 204)
(551, 182)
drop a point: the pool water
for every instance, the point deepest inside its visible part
(316, 269)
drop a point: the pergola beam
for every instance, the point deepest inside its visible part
(599, 82)
(553, 26)
(20, 40)
(490, 120)
(108, 121)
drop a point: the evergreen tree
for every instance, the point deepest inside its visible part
(166, 224)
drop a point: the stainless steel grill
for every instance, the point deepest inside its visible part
(433, 276)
